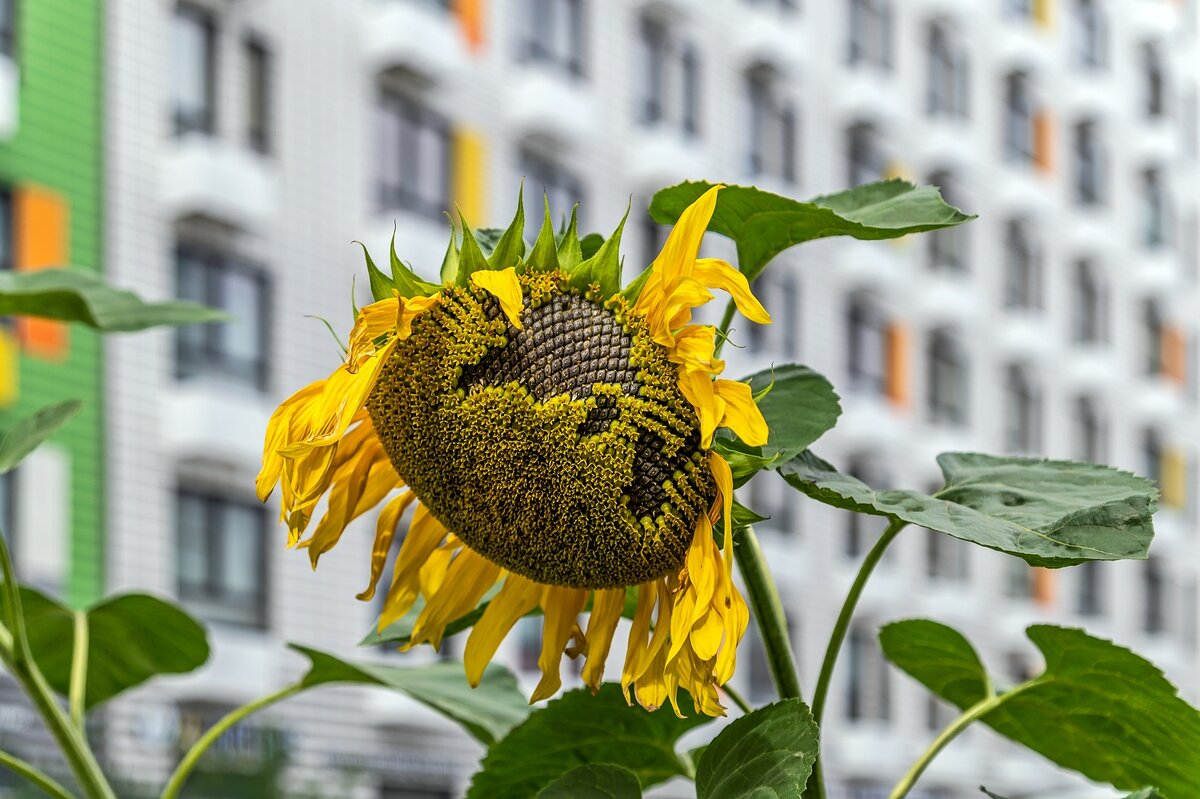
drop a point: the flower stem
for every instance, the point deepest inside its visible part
(738, 699)
(723, 328)
(768, 612)
(184, 769)
(816, 783)
(34, 775)
(79, 669)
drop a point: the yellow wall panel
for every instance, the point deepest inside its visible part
(10, 387)
(470, 175)
(1174, 479)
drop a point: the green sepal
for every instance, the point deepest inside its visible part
(471, 258)
(634, 289)
(381, 284)
(544, 256)
(603, 268)
(511, 246)
(353, 300)
(405, 280)
(450, 263)
(570, 253)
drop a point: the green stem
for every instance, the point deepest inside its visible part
(175, 784)
(20, 663)
(34, 775)
(768, 612)
(79, 669)
(816, 782)
(738, 699)
(723, 328)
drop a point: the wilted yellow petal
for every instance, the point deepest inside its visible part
(742, 415)
(504, 285)
(517, 597)
(385, 533)
(561, 606)
(716, 274)
(607, 606)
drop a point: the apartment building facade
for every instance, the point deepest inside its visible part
(247, 144)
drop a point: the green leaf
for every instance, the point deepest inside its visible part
(940, 658)
(764, 224)
(765, 755)
(131, 638)
(1145, 793)
(487, 712)
(744, 517)
(603, 267)
(590, 244)
(597, 781)
(71, 295)
(544, 256)
(570, 252)
(449, 270)
(470, 257)
(1098, 709)
(27, 434)
(381, 284)
(511, 244)
(1049, 513)
(488, 238)
(405, 279)
(577, 729)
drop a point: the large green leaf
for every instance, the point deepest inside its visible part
(764, 224)
(576, 729)
(487, 712)
(72, 295)
(938, 657)
(595, 781)
(1050, 513)
(765, 755)
(1098, 708)
(131, 638)
(1145, 793)
(27, 434)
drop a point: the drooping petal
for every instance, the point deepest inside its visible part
(517, 597)
(717, 274)
(469, 577)
(647, 597)
(385, 533)
(607, 605)
(561, 606)
(742, 415)
(505, 287)
(354, 490)
(424, 534)
(279, 428)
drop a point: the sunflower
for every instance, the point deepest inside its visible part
(553, 434)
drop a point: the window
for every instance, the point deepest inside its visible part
(868, 688)
(1089, 164)
(1154, 618)
(653, 43)
(8, 510)
(773, 498)
(235, 349)
(1155, 80)
(529, 644)
(413, 146)
(221, 557)
(946, 558)
(1154, 208)
(8, 28)
(860, 528)
(690, 65)
(193, 70)
(1023, 411)
(1152, 338)
(1018, 9)
(1091, 433)
(553, 34)
(772, 123)
(789, 301)
(1022, 267)
(946, 94)
(865, 161)
(1090, 45)
(562, 189)
(1018, 579)
(870, 40)
(1091, 589)
(946, 390)
(258, 96)
(761, 683)
(1152, 455)
(782, 5)
(1018, 118)
(1089, 315)
(669, 88)
(947, 248)
(866, 345)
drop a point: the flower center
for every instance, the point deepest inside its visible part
(563, 451)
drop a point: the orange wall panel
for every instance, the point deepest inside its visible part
(1044, 587)
(471, 22)
(42, 240)
(898, 353)
(1043, 141)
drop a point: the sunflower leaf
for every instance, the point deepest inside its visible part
(570, 252)
(381, 284)
(73, 295)
(28, 433)
(511, 244)
(470, 256)
(404, 279)
(579, 729)
(1098, 708)
(1049, 513)
(450, 262)
(603, 267)
(763, 224)
(799, 406)
(596, 781)
(488, 712)
(768, 753)
(544, 256)
(590, 244)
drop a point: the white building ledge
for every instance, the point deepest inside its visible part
(769, 36)
(203, 176)
(243, 666)
(662, 155)
(543, 103)
(10, 84)
(414, 37)
(213, 420)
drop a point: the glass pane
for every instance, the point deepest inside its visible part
(241, 539)
(192, 546)
(191, 70)
(241, 297)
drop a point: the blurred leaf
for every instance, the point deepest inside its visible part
(939, 658)
(744, 517)
(406, 281)
(71, 295)
(764, 224)
(488, 238)
(27, 434)
(131, 638)
(487, 712)
(768, 753)
(1098, 709)
(597, 781)
(577, 729)
(1049, 513)
(510, 245)
(591, 244)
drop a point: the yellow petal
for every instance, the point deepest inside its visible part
(504, 285)
(683, 242)
(410, 309)
(742, 415)
(717, 274)
(278, 430)
(353, 492)
(647, 596)
(562, 606)
(424, 534)
(374, 320)
(723, 476)
(697, 388)
(662, 633)
(607, 606)
(517, 597)
(469, 577)
(385, 533)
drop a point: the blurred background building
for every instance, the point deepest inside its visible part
(227, 151)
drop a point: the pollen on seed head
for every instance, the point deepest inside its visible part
(563, 451)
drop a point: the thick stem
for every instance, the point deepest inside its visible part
(37, 777)
(768, 612)
(738, 699)
(723, 328)
(816, 782)
(184, 769)
(79, 669)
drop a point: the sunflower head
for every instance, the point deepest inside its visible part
(555, 433)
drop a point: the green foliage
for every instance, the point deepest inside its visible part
(578, 728)
(27, 434)
(487, 712)
(1049, 513)
(765, 755)
(764, 224)
(70, 295)
(404, 279)
(603, 266)
(598, 781)
(1098, 708)
(132, 637)
(510, 246)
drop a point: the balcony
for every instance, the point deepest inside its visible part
(206, 177)
(199, 420)
(546, 103)
(662, 155)
(418, 37)
(10, 83)
(769, 36)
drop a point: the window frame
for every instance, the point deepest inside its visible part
(542, 20)
(259, 64)
(864, 320)
(773, 125)
(207, 599)
(1020, 115)
(544, 172)
(207, 118)
(1023, 411)
(1089, 162)
(1023, 278)
(946, 362)
(413, 118)
(9, 34)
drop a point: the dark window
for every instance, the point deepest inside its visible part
(870, 34)
(194, 67)
(782, 5)
(1091, 49)
(868, 694)
(258, 96)
(413, 156)
(1091, 431)
(562, 188)
(947, 248)
(1023, 270)
(553, 34)
(1088, 310)
(1154, 619)
(772, 122)
(221, 557)
(788, 327)
(653, 236)
(529, 640)
(861, 529)
(947, 384)
(1154, 208)
(1023, 411)
(1091, 589)
(8, 510)
(1152, 338)
(653, 42)
(8, 28)
(761, 683)
(669, 88)
(866, 345)
(1154, 75)
(1089, 164)
(1152, 455)
(1018, 9)
(773, 498)
(689, 64)
(865, 161)
(1018, 118)
(238, 348)
(1018, 579)
(946, 94)
(946, 558)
